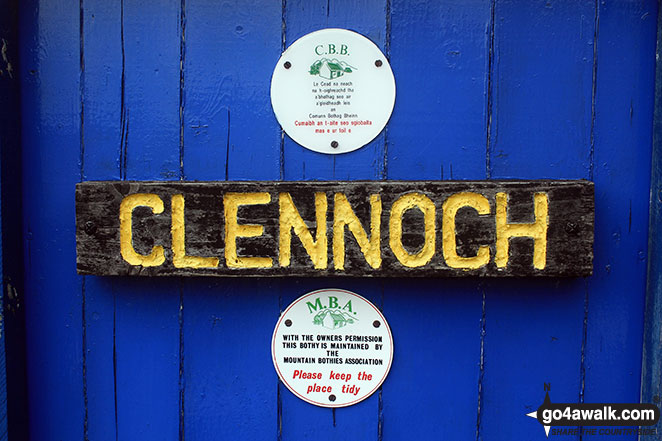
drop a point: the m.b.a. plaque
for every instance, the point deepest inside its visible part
(375, 228)
(332, 348)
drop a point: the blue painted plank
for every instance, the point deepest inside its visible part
(439, 57)
(651, 377)
(8, 140)
(541, 88)
(4, 431)
(151, 113)
(50, 106)
(433, 384)
(437, 131)
(230, 383)
(102, 90)
(99, 357)
(368, 18)
(228, 110)
(103, 148)
(131, 104)
(209, 81)
(624, 111)
(533, 335)
(147, 357)
(147, 329)
(13, 405)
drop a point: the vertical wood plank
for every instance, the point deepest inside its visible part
(102, 90)
(651, 377)
(14, 423)
(541, 90)
(623, 109)
(228, 112)
(103, 148)
(439, 54)
(131, 131)
(147, 328)
(230, 389)
(9, 140)
(540, 126)
(369, 18)
(50, 114)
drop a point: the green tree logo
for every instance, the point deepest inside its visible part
(330, 69)
(333, 319)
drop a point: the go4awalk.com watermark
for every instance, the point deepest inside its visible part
(596, 418)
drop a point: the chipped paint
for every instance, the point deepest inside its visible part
(426, 206)
(537, 230)
(290, 219)
(450, 208)
(233, 229)
(343, 215)
(180, 259)
(130, 203)
(5, 59)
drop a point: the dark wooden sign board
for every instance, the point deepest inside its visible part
(375, 228)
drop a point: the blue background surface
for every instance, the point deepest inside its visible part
(500, 89)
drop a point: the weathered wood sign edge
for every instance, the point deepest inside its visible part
(330, 228)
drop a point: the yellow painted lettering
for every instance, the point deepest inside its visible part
(450, 208)
(290, 219)
(343, 215)
(128, 204)
(400, 206)
(178, 231)
(537, 230)
(231, 203)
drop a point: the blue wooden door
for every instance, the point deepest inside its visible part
(179, 90)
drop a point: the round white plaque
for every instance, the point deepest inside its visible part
(333, 91)
(332, 348)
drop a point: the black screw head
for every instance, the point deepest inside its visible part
(288, 323)
(378, 63)
(334, 144)
(376, 324)
(332, 397)
(571, 228)
(90, 228)
(287, 65)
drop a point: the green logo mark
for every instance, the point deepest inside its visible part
(331, 315)
(330, 69)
